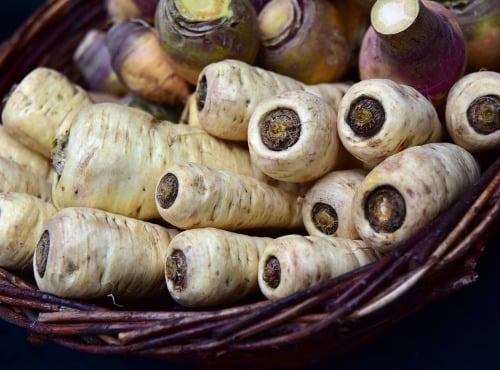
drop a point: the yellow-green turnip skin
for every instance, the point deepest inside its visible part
(429, 54)
(89, 253)
(22, 218)
(463, 95)
(425, 180)
(210, 267)
(115, 155)
(409, 119)
(123, 10)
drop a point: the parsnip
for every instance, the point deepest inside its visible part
(473, 111)
(408, 189)
(89, 253)
(228, 92)
(192, 195)
(293, 137)
(189, 115)
(327, 204)
(22, 218)
(15, 178)
(41, 107)
(113, 157)
(379, 117)
(212, 267)
(292, 263)
(12, 149)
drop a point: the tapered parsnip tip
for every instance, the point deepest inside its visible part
(42, 253)
(271, 273)
(390, 17)
(176, 269)
(385, 209)
(167, 190)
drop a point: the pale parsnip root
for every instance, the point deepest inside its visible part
(473, 111)
(192, 195)
(15, 178)
(327, 207)
(13, 149)
(408, 189)
(379, 117)
(89, 253)
(115, 155)
(292, 263)
(293, 137)
(41, 107)
(22, 218)
(228, 92)
(210, 267)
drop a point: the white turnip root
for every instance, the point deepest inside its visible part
(293, 262)
(210, 267)
(41, 107)
(327, 204)
(379, 117)
(228, 92)
(16, 178)
(89, 253)
(192, 195)
(114, 155)
(473, 111)
(408, 190)
(22, 218)
(293, 137)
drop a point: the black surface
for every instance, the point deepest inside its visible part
(461, 331)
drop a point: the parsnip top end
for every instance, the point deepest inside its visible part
(42, 253)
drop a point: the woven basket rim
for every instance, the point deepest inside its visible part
(354, 307)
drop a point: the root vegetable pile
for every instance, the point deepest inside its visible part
(237, 150)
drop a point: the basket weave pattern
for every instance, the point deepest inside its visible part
(328, 319)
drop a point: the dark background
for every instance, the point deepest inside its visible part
(461, 331)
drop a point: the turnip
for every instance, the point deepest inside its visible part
(93, 60)
(210, 267)
(41, 107)
(306, 40)
(227, 93)
(293, 137)
(192, 195)
(291, 263)
(89, 253)
(141, 64)
(114, 155)
(22, 218)
(195, 34)
(379, 117)
(408, 190)
(327, 204)
(16, 178)
(414, 42)
(123, 10)
(473, 111)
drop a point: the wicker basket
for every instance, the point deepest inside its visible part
(318, 323)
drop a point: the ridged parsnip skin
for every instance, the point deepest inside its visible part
(41, 107)
(22, 218)
(428, 177)
(309, 260)
(317, 150)
(410, 119)
(13, 149)
(233, 90)
(15, 178)
(335, 191)
(207, 197)
(92, 253)
(116, 154)
(220, 266)
(462, 94)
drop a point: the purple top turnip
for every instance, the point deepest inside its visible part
(194, 35)
(414, 42)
